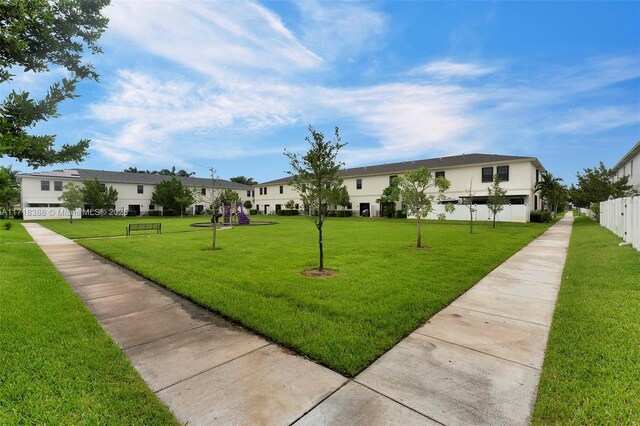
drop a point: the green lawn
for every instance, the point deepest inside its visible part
(591, 373)
(57, 366)
(109, 227)
(384, 288)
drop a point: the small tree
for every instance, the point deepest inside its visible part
(211, 198)
(468, 202)
(388, 200)
(172, 194)
(247, 205)
(316, 177)
(9, 189)
(290, 205)
(72, 198)
(497, 199)
(341, 196)
(413, 186)
(97, 195)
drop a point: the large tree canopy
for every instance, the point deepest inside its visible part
(598, 184)
(34, 35)
(172, 194)
(244, 180)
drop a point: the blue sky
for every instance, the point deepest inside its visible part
(232, 84)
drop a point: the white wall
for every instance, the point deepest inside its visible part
(522, 176)
(631, 168)
(510, 213)
(31, 193)
(622, 217)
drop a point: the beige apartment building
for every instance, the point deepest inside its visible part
(629, 165)
(365, 184)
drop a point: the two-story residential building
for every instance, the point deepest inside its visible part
(41, 190)
(629, 165)
(365, 184)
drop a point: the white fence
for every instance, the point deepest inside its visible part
(511, 213)
(41, 213)
(622, 217)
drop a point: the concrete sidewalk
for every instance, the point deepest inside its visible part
(206, 370)
(475, 362)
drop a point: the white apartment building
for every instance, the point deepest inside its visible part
(365, 184)
(629, 165)
(40, 191)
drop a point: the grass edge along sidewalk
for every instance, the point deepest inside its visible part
(57, 365)
(591, 372)
(384, 288)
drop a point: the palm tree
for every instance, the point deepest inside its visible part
(551, 190)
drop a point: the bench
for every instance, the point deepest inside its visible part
(144, 227)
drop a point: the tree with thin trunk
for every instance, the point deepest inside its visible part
(71, 199)
(496, 199)
(9, 189)
(413, 186)
(468, 202)
(212, 198)
(315, 176)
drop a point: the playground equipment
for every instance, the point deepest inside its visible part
(235, 216)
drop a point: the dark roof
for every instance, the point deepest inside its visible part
(129, 177)
(628, 155)
(430, 163)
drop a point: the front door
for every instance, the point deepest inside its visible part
(134, 210)
(199, 209)
(267, 209)
(365, 210)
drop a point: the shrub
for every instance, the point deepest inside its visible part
(169, 212)
(401, 214)
(253, 212)
(344, 213)
(595, 208)
(247, 205)
(287, 212)
(155, 213)
(6, 226)
(539, 216)
(17, 214)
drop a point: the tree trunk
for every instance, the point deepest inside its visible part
(419, 241)
(215, 235)
(70, 216)
(321, 268)
(471, 220)
(181, 211)
(494, 219)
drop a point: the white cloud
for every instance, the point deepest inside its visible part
(249, 73)
(452, 69)
(598, 119)
(338, 30)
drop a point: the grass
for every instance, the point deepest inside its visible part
(591, 373)
(57, 366)
(383, 290)
(110, 227)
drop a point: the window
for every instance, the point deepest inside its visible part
(297, 206)
(537, 175)
(44, 185)
(265, 190)
(503, 173)
(103, 187)
(258, 207)
(349, 206)
(260, 190)
(57, 185)
(358, 183)
(487, 174)
(152, 206)
(203, 191)
(140, 189)
(391, 178)
(518, 200)
(282, 189)
(253, 193)
(278, 207)
(440, 174)
(249, 193)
